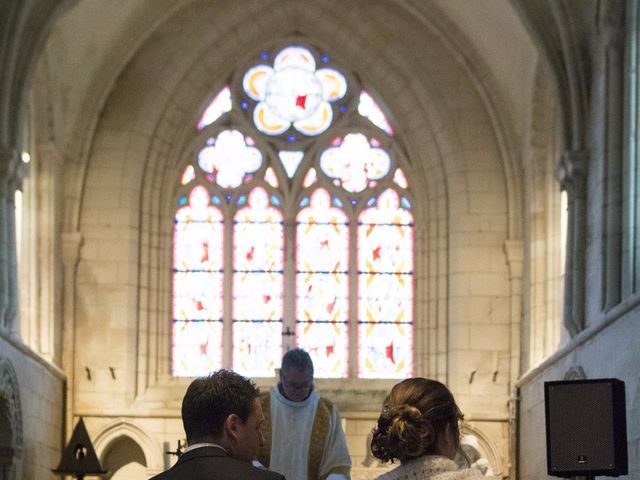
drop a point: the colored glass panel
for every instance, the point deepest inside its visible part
(290, 160)
(369, 109)
(354, 163)
(258, 286)
(257, 348)
(322, 290)
(230, 158)
(196, 348)
(327, 344)
(385, 350)
(219, 106)
(292, 92)
(188, 175)
(399, 179)
(385, 289)
(270, 177)
(310, 178)
(197, 286)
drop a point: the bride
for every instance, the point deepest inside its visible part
(418, 426)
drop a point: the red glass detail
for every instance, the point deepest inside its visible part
(301, 101)
(376, 253)
(389, 352)
(331, 305)
(203, 347)
(329, 350)
(205, 252)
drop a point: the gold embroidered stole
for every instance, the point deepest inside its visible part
(316, 442)
(264, 452)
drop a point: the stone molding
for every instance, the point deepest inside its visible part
(10, 391)
(487, 447)
(113, 432)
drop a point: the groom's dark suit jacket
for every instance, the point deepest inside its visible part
(212, 463)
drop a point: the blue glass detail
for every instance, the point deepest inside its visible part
(291, 138)
(371, 201)
(244, 104)
(228, 197)
(275, 200)
(265, 56)
(354, 201)
(325, 58)
(215, 200)
(182, 200)
(304, 202)
(336, 202)
(404, 201)
(242, 200)
(342, 108)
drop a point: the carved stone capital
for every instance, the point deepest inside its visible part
(12, 169)
(572, 168)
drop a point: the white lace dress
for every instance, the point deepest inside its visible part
(431, 468)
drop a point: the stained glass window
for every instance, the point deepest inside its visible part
(282, 157)
(197, 286)
(385, 294)
(218, 107)
(369, 108)
(258, 282)
(293, 92)
(354, 163)
(322, 284)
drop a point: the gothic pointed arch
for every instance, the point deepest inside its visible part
(293, 138)
(114, 432)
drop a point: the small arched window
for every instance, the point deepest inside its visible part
(293, 227)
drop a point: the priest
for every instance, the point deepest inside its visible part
(304, 439)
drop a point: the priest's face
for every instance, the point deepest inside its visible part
(297, 383)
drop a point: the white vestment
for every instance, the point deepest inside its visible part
(291, 429)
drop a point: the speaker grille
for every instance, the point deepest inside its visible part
(580, 418)
(586, 427)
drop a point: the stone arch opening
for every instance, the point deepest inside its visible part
(124, 458)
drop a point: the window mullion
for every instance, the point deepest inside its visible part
(227, 344)
(288, 322)
(353, 298)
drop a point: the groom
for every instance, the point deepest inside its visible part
(221, 415)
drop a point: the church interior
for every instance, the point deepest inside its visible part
(483, 154)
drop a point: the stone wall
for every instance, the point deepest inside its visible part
(610, 353)
(35, 400)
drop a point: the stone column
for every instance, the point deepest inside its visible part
(514, 250)
(12, 172)
(608, 113)
(71, 243)
(571, 173)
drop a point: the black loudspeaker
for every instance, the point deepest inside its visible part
(586, 427)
